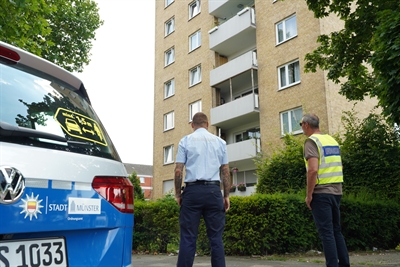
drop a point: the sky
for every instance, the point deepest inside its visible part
(120, 76)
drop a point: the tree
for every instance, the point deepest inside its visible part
(60, 31)
(137, 190)
(370, 38)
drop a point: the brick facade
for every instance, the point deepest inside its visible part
(313, 93)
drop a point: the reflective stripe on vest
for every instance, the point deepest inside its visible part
(330, 168)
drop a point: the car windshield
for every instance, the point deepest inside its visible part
(37, 110)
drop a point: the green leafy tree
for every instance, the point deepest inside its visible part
(370, 38)
(24, 24)
(60, 31)
(138, 192)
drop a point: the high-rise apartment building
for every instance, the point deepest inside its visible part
(242, 63)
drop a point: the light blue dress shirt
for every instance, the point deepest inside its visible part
(203, 154)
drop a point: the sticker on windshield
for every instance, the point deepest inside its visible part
(80, 126)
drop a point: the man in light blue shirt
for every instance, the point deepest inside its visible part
(205, 158)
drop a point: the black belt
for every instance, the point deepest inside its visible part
(203, 182)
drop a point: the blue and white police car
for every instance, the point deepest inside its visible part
(65, 199)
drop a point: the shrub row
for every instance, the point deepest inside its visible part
(264, 224)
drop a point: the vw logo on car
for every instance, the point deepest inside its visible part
(12, 185)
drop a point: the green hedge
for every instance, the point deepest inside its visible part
(370, 223)
(156, 225)
(270, 224)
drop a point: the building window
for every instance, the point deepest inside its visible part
(169, 56)
(169, 26)
(286, 29)
(289, 74)
(194, 108)
(168, 2)
(194, 41)
(168, 121)
(290, 121)
(168, 154)
(141, 179)
(248, 134)
(169, 88)
(195, 75)
(168, 187)
(194, 8)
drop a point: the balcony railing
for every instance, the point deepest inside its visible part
(235, 35)
(242, 110)
(233, 68)
(224, 8)
(245, 150)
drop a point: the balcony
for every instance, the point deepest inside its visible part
(233, 68)
(243, 151)
(224, 8)
(239, 111)
(235, 35)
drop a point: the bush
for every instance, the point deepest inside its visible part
(283, 171)
(371, 156)
(271, 224)
(156, 224)
(264, 224)
(368, 223)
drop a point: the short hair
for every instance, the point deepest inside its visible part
(199, 119)
(312, 120)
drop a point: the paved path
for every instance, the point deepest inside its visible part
(390, 259)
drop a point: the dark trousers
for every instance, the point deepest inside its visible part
(207, 201)
(326, 213)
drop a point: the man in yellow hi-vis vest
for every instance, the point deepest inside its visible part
(324, 189)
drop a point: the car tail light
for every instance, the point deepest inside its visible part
(116, 190)
(9, 54)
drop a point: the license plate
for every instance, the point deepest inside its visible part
(33, 252)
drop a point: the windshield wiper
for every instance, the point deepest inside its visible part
(88, 144)
(9, 130)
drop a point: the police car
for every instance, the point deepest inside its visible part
(65, 199)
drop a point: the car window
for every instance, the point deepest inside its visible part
(32, 101)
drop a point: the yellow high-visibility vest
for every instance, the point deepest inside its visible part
(330, 169)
